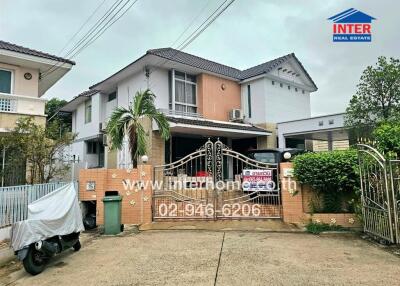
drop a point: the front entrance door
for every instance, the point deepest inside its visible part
(216, 182)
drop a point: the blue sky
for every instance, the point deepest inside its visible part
(248, 33)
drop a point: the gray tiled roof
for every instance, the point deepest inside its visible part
(210, 123)
(198, 62)
(77, 99)
(195, 61)
(264, 67)
(87, 93)
(19, 49)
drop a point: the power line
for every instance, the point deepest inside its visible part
(191, 23)
(82, 26)
(207, 25)
(93, 34)
(84, 37)
(203, 23)
(106, 28)
(200, 29)
(95, 26)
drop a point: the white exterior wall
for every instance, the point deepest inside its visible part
(102, 109)
(258, 110)
(289, 76)
(86, 131)
(283, 104)
(273, 104)
(107, 108)
(91, 128)
(158, 84)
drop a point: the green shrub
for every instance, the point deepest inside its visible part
(317, 228)
(333, 175)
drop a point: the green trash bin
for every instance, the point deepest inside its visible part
(112, 214)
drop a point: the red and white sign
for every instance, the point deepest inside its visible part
(258, 180)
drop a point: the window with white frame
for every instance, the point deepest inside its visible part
(185, 92)
(5, 81)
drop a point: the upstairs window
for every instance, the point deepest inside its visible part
(88, 110)
(5, 81)
(185, 92)
(112, 96)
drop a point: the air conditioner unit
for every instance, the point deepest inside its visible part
(236, 115)
(104, 137)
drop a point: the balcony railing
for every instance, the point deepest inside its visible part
(20, 104)
(180, 113)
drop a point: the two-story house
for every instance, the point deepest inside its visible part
(25, 76)
(200, 98)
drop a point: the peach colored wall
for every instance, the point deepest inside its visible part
(113, 180)
(214, 102)
(20, 85)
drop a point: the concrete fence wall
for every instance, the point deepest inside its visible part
(136, 200)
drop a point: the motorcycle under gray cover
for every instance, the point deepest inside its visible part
(57, 213)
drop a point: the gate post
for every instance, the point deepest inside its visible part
(291, 194)
(146, 199)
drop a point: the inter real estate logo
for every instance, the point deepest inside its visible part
(352, 26)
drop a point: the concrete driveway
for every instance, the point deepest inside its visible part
(218, 258)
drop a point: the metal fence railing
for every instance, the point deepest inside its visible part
(14, 200)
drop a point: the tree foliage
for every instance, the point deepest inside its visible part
(129, 122)
(387, 138)
(58, 121)
(35, 145)
(378, 94)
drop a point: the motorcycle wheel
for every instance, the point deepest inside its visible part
(34, 262)
(77, 246)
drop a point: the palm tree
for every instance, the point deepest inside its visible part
(128, 122)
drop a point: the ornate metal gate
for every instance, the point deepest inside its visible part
(394, 168)
(380, 194)
(216, 182)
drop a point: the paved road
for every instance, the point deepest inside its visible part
(230, 258)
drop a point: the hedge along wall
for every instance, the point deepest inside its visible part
(333, 179)
(296, 194)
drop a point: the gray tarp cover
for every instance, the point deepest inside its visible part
(57, 213)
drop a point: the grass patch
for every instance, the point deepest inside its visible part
(317, 228)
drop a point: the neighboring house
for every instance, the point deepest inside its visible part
(24, 78)
(88, 115)
(200, 98)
